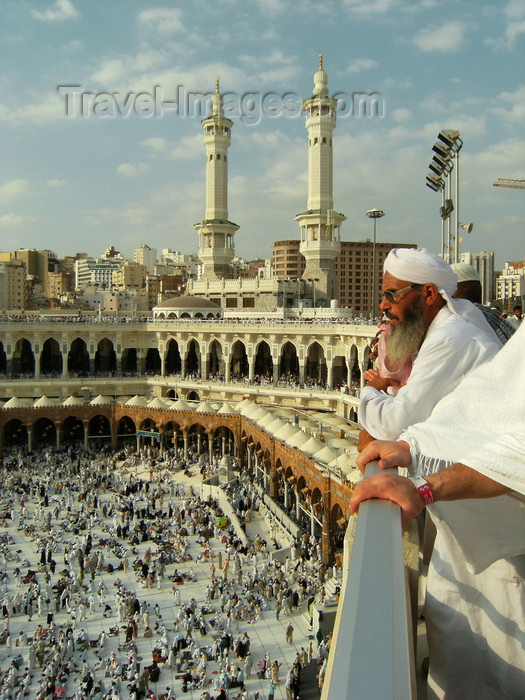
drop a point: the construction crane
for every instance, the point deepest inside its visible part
(506, 182)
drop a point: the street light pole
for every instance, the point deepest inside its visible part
(374, 214)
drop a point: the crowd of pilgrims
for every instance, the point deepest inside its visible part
(101, 534)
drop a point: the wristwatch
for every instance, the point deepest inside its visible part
(423, 488)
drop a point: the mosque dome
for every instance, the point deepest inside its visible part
(187, 306)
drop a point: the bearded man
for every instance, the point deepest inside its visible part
(445, 338)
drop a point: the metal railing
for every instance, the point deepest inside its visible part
(371, 653)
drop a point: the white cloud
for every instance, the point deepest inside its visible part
(130, 170)
(58, 12)
(156, 144)
(515, 9)
(56, 183)
(401, 115)
(275, 58)
(448, 37)
(116, 71)
(272, 7)
(49, 108)
(361, 64)
(10, 220)
(162, 21)
(370, 7)
(514, 30)
(515, 112)
(189, 148)
(12, 189)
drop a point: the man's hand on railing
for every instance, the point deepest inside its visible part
(389, 454)
(390, 487)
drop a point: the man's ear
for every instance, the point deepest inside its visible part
(429, 294)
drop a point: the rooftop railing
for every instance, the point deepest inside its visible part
(371, 650)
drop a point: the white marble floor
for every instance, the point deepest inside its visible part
(267, 634)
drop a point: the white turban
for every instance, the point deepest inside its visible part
(420, 266)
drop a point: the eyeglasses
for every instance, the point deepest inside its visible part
(391, 295)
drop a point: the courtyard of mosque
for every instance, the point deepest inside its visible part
(122, 578)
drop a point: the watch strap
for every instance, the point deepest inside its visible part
(424, 489)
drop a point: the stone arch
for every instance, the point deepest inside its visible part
(15, 433)
(99, 428)
(72, 431)
(105, 357)
(263, 366)
(153, 363)
(239, 366)
(337, 529)
(172, 360)
(23, 358)
(78, 358)
(198, 442)
(224, 441)
(192, 361)
(44, 433)
(215, 360)
(289, 363)
(149, 424)
(315, 370)
(51, 358)
(126, 427)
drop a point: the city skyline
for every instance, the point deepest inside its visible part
(79, 175)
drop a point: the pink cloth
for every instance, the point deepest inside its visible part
(386, 368)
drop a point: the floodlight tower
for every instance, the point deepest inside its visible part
(446, 151)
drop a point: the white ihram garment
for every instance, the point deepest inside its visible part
(475, 604)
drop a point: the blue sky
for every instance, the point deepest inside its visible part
(93, 178)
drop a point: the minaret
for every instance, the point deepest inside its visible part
(320, 242)
(216, 232)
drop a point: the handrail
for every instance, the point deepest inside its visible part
(370, 653)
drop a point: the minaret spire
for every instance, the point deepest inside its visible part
(216, 232)
(320, 223)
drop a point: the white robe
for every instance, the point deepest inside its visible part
(453, 346)
(475, 601)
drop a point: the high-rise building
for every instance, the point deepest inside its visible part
(12, 285)
(95, 272)
(146, 256)
(510, 285)
(353, 269)
(130, 276)
(287, 260)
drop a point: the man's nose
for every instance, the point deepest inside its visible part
(384, 305)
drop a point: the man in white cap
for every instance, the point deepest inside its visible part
(445, 337)
(469, 287)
